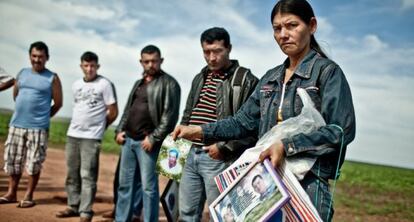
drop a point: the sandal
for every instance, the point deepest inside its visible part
(67, 213)
(26, 204)
(4, 200)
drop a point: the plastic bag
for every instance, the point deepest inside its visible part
(307, 121)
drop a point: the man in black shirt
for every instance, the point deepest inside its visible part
(145, 123)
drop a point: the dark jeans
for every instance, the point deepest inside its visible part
(116, 180)
(321, 197)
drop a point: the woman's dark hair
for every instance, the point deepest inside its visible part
(303, 10)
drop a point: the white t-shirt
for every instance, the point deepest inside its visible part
(89, 107)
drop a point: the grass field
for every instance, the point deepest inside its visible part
(364, 192)
(375, 193)
(57, 133)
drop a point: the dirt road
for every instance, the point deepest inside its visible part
(50, 194)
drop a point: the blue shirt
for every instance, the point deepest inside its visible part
(33, 101)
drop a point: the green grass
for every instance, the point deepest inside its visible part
(4, 123)
(376, 191)
(57, 133)
(364, 192)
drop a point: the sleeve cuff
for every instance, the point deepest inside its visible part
(207, 133)
(289, 146)
(151, 139)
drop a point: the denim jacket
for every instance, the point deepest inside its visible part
(326, 85)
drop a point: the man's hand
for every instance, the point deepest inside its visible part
(146, 144)
(111, 114)
(213, 151)
(188, 132)
(275, 152)
(120, 138)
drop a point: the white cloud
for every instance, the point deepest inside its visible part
(407, 4)
(373, 43)
(325, 28)
(81, 10)
(129, 24)
(381, 78)
(380, 75)
(384, 111)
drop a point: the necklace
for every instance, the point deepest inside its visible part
(279, 111)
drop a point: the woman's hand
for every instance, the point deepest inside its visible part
(187, 132)
(275, 152)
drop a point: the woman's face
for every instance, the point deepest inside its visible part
(292, 34)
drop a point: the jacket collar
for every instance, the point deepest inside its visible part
(227, 72)
(305, 67)
(160, 73)
(303, 70)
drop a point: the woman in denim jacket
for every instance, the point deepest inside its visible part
(275, 100)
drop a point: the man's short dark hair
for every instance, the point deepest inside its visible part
(149, 49)
(258, 176)
(41, 46)
(89, 57)
(215, 34)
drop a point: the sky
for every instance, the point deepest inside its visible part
(371, 40)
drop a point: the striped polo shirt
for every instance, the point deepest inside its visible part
(205, 110)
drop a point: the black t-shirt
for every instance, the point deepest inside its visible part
(139, 122)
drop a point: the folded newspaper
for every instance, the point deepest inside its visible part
(172, 157)
(300, 207)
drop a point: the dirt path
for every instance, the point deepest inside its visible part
(50, 194)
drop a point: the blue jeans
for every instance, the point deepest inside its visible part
(138, 182)
(197, 184)
(318, 191)
(138, 198)
(82, 160)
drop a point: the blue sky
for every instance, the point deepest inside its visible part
(372, 41)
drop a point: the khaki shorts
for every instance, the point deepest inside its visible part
(25, 146)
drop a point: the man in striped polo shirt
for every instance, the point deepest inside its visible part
(213, 96)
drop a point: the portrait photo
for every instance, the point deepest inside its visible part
(254, 196)
(171, 158)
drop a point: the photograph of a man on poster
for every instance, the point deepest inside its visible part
(254, 196)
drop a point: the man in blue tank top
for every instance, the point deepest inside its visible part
(34, 90)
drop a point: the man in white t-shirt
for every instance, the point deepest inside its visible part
(94, 109)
